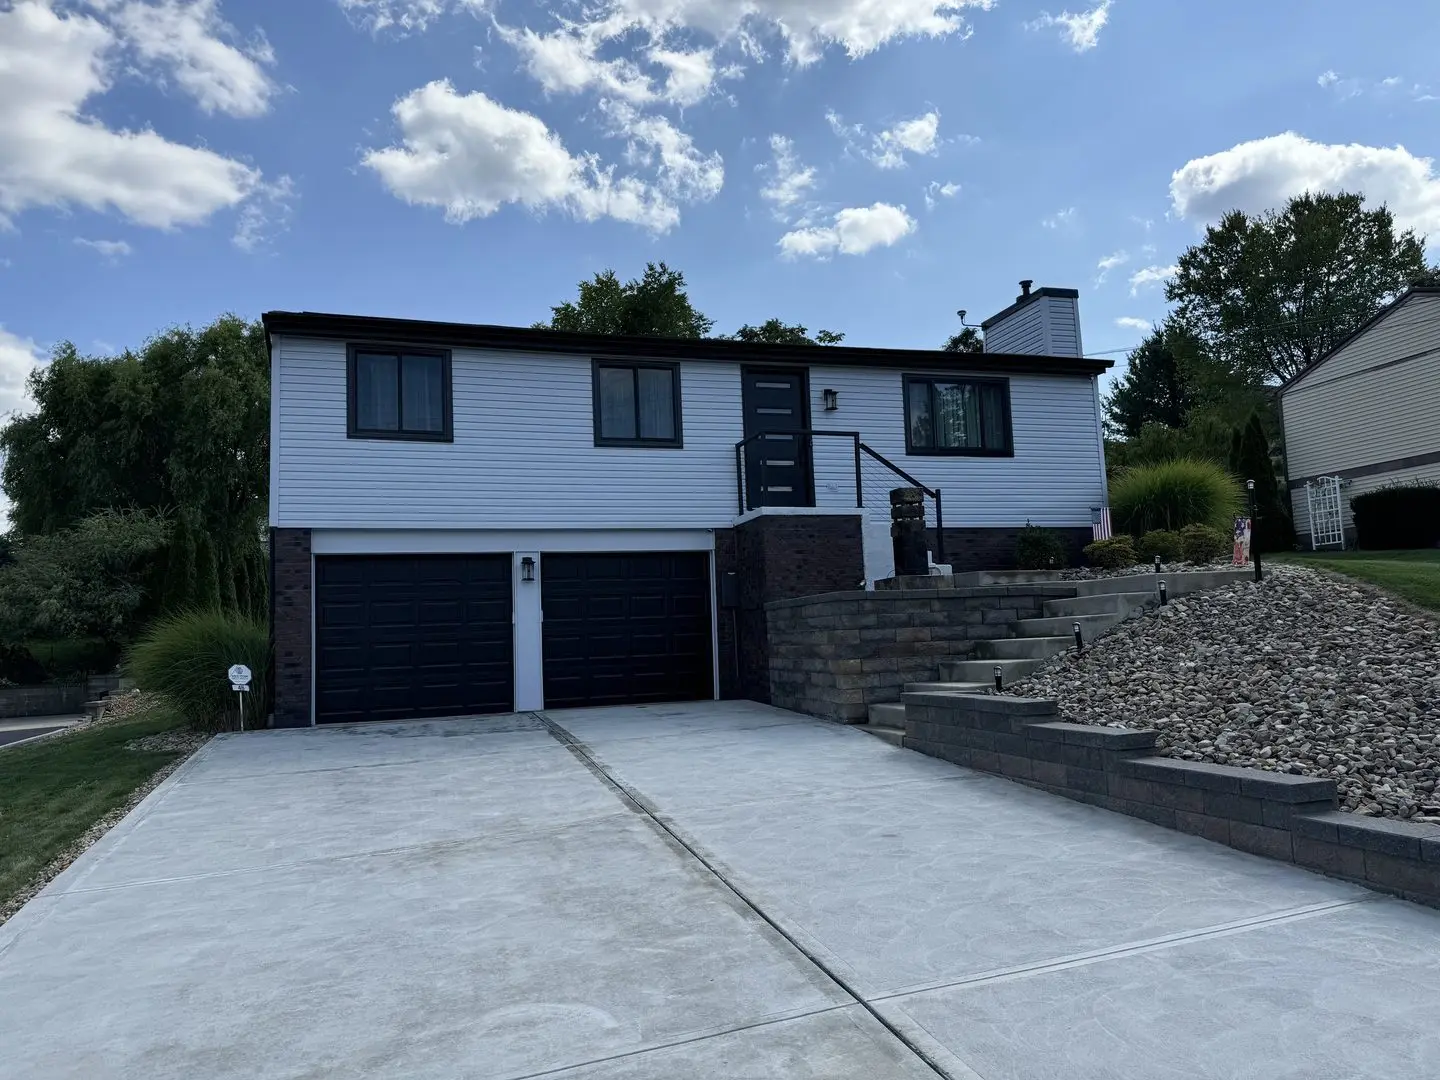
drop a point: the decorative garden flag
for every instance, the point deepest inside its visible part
(1100, 522)
(1242, 541)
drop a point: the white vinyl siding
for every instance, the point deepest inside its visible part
(523, 455)
(1300, 506)
(1048, 326)
(1054, 479)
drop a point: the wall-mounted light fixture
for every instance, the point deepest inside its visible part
(832, 399)
(527, 569)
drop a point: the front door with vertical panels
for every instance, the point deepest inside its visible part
(777, 465)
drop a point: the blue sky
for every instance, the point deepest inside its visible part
(869, 168)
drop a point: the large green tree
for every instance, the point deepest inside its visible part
(968, 340)
(1270, 294)
(654, 305)
(775, 332)
(179, 427)
(1156, 387)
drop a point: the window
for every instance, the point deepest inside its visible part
(957, 416)
(637, 404)
(399, 394)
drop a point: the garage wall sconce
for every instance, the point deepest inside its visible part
(527, 569)
(832, 399)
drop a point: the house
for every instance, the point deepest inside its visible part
(435, 487)
(1368, 412)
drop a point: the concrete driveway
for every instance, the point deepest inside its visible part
(716, 890)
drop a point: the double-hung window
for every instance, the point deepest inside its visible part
(399, 394)
(637, 403)
(957, 416)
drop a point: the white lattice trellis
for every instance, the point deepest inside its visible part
(1327, 523)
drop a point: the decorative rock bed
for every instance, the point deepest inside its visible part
(1302, 674)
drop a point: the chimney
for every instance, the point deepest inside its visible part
(1041, 322)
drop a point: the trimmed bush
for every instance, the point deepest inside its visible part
(1116, 554)
(1394, 518)
(1202, 544)
(184, 658)
(1040, 549)
(1172, 494)
(1161, 542)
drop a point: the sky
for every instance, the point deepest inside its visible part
(855, 165)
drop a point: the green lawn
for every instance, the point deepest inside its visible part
(52, 791)
(1414, 575)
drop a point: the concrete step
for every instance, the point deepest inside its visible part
(894, 736)
(1022, 648)
(950, 687)
(1091, 626)
(975, 670)
(891, 714)
(1127, 604)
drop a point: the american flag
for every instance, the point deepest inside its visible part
(1100, 522)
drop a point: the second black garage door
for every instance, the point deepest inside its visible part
(401, 637)
(626, 629)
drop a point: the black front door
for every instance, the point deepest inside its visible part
(777, 465)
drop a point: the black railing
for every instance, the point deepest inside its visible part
(805, 441)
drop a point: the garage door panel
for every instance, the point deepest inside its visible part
(628, 628)
(403, 637)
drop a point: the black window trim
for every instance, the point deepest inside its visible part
(597, 363)
(353, 428)
(959, 451)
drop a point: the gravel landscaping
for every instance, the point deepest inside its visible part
(1302, 673)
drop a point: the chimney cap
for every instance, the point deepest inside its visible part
(1025, 286)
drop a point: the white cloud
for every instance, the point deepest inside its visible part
(789, 178)
(1080, 30)
(683, 172)
(401, 16)
(1151, 275)
(1062, 219)
(1128, 322)
(856, 230)
(691, 74)
(52, 154)
(935, 191)
(1344, 88)
(265, 215)
(1263, 174)
(199, 48)
(566, 62)
(110, 249)
(887, 149)
(1108, 263)
(469, 155)
(18, 358)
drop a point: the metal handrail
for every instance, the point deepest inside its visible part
(740, 472)
(934, 493)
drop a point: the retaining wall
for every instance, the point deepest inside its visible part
(1292, 818)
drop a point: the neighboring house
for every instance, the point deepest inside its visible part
(436, 486)
(1369, 410)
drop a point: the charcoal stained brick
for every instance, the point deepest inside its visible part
(1329, 858)
(1052, 731)
(1011, 765)
(912, 633)
(985, 760)
(1160, 769)
(1054, 753)
(1320, 826)
(1177, 796)
(1281, 815)
(1203, 825)
(1109, 738)
(1051, 773)
(1258, 840)
(1280, 787)
(1409, 875)
(1234, 807)
(1398, 838)
(1203, 775)
(293, 616)
(1090, 781)
(1131, 789)
(1156, 815)
(1009, 743)
(1430, 852)
(1083, 757)
(1001, 617)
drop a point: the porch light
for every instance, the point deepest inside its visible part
(527, 569)
(832, 399)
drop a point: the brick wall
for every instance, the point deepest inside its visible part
(994, 549)
(835, 656)
(1292, 818)
(778, 557)
(291, 615)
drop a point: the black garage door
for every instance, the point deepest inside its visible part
(625, 629)
(403, 637)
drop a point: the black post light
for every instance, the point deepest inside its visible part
(999, 679)
(1254, 546)
(1079, 640)
(1164, 599)
(1157, 564)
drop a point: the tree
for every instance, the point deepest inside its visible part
(1155, 388)
(181, 425)
(775, 332)
(179, 587)
(968, 340)
(656, 305)
(1251, 459)
(87, 580)
(207, 575)
(1271, 294)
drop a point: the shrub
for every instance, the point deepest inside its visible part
(18, 666)
(185, 657)
(1040, 549)
(1162, 542)
(1116, 554)
(1173, 494)
(1202, 544)
(1403, 516)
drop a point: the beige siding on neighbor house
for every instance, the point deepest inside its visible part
(1376, 400)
